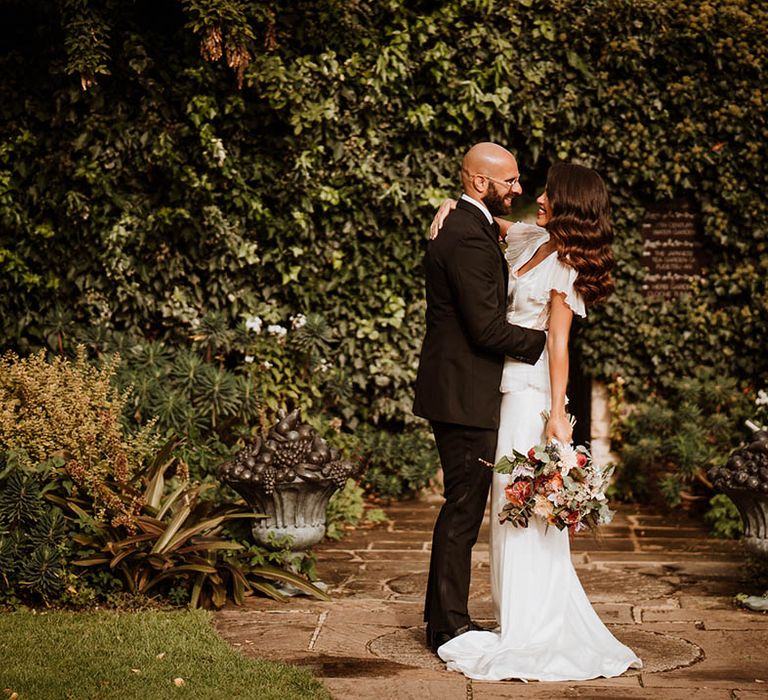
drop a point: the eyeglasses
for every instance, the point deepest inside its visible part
(509, 183)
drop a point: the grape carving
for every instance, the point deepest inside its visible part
(291, 452)
(746, 468)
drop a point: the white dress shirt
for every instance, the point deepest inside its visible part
(479, 205)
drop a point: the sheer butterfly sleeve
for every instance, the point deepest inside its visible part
(561, 278)
(519, 237)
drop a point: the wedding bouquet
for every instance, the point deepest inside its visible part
(559, 483)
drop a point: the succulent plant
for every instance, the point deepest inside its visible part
(291, 451)
(746, 468)
(43, 572)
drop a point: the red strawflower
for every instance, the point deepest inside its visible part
(519, 492)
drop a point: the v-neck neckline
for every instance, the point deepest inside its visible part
(515, 271)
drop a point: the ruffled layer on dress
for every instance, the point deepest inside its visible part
(519, 376)
(559, 278)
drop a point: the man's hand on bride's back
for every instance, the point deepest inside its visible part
(446, 208)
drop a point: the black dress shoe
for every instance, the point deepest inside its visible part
(474, 627)
(436, 639)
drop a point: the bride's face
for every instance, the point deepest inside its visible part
(544, 213)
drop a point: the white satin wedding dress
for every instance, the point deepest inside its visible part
(547, 629)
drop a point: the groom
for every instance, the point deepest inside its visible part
(462, 357)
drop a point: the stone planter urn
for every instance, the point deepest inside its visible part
(289, 477)
(753, 508)
(744, 479)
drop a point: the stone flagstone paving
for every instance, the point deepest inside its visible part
(660, 583)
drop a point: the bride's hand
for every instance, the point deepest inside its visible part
(446, 208)
(560, 429)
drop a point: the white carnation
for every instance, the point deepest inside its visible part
(279, 331)
(298, 321)
(254, 323)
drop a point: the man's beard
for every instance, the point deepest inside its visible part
(494, 202)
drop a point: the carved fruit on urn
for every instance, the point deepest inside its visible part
(289, 476)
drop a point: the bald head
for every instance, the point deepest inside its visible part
(485, 156)
(489, 174)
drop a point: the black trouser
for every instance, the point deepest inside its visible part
(466, 492)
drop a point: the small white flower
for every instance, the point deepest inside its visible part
(266, 364)
(279, 331)
(567, 458)
(254, 323)
(762, 398)
(298, 321)
(525, 471)
(219, 153)
(249, 358)
(324, 366)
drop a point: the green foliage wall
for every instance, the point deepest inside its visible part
(163, 192)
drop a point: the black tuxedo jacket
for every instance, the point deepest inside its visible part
(467, 333)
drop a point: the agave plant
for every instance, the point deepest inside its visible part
(179, 541)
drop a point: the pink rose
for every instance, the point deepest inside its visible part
(581, 460)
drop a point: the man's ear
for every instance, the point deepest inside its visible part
(480, 184)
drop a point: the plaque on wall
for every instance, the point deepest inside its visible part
(673, 250)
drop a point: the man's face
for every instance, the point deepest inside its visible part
(503, 187)
(497, 204)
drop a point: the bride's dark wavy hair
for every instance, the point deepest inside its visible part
(580, 227)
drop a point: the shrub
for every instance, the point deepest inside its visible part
(71, 410)
(669, 441)
(54, 548)
(79, 489)
(724, 517)
(230, 381)
(394, 465)
(347, 509)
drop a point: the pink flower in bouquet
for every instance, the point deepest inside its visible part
(581, 460)
(519, 492)
(555, 482)
(543, 506)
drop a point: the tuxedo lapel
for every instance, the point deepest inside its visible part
(490, 229)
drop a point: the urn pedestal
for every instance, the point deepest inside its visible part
(753, 508)
(744, 479)
(295, 510)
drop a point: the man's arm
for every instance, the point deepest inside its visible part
(473, 272)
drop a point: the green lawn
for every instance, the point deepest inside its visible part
(61, 655)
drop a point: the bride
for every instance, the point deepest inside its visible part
(546, 628)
